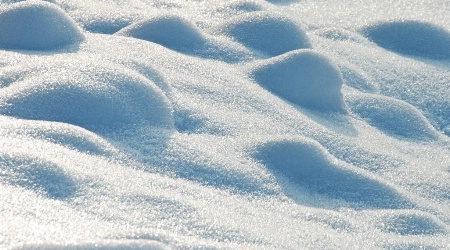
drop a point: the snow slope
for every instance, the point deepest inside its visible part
(246, 124)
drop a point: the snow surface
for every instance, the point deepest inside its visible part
(207, 124)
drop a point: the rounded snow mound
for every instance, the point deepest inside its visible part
(307, 164)
(268, 33)
(303, 77)
(411, 223)
(36, 25)
(282, 2)
(141, 244)
(179, 34)
(100, 98)
(240, 7)
(41, 176)
(171, 31)
(63, 134)
(413, 38)
(392, 116)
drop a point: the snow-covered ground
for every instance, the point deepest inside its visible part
(250, 124)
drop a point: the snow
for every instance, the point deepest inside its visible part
(37, 25)
(269, 33)
(249, 124)
(411, 37)
(310, 166)
(393, 117)
(177, 33)
(95, 97)
(303, 77)
(170, 31)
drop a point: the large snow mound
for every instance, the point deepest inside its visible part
(95, 97)
(36, 25)
(268, 33)
(411, 37)
(303, 77)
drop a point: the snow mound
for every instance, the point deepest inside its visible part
(409, 37)
(36, 25)
(411, 223)
(38, 175)
(129, 244)
(242, 7)
(66, 135)
(179, 34)
(307, 164)
(392, 116)
(171, 31)
(268, 33)
(282, 2)
(303, 77)
(99, 98)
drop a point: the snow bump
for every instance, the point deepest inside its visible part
(404, 222)
(268, 33)
(179, 34)
(240, 7)
(171, 31)
(62, 134)
(392, 116)
(38, 175)
(95, 97)
(410, 37)
(303, 77)
(36, 25)
(307, 164)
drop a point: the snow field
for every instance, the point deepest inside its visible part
(164, 125)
